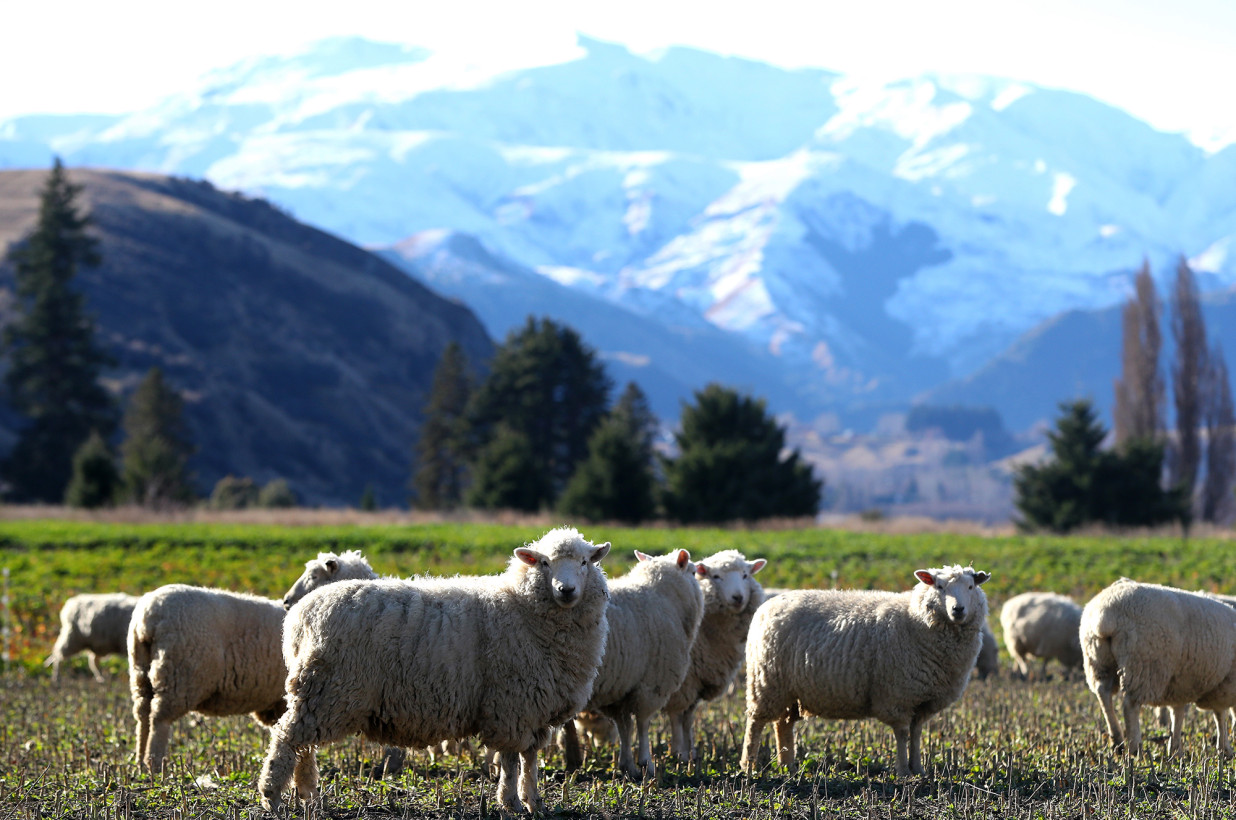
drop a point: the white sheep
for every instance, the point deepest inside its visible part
(193, 649)
(328, 568)
(849, 654)
(654, 615)
(988, 662)
(1163, 647)
(1042, 625)
(95, 623)
(731, 596)
(414, 662)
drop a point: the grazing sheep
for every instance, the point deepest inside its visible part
(988, 662)
(98, 624)
(731, 596)
(848, 654)
(1042, 625)
(193, 649)
(328, 568)
(415, 662)
(654, 615)
(1164, 647)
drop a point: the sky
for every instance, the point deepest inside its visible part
(1171, 63)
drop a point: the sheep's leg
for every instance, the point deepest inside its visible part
(93, 660)
(916, 738)
(626, 758)
(902, 733)
(1133, 725)
(1175, 742)
(293, 737)
(786, 753)
(508, 776)
(677, 741)
(1104, 694)
(644, 761)
(156, 753)
(527, 781)
(688, 730)
(751, 744)
(305, 776)
(141, 713)
(572, 755)
(1224, 744)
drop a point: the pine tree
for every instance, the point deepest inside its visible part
(368, 499)
(54, 363)
(1189, 332)
(546, 385)
(730, 467)
(156, 448)
(508, 475)
(95, 479)
(1220, 418)
(1140, 392)
(440, 473)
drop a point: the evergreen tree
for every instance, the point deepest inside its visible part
(441, 452)
(368, 499)
(1189, 331)
(54, 364)
(508, 475)
(95, 479)
(277, 495)
(1216, 501)
(615, 482)
(1140, 393)
(546, 385)
(730, 467)
(233, 493)
(156, 448)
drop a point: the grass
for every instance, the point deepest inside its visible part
(1008, 749)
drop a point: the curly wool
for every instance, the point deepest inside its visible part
(1042, 625)
(93, 623)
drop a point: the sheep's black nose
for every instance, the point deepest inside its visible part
(958, 610)
(287, 602)
(565, 591)
(736, 598)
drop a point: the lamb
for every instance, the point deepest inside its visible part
(96, 623)
(988, 662)
(193, 649)
(1042, 625)
(326, 569)
(731, 596)
(654, 616)
(848, 654)
(1162, 646)
(414, 662)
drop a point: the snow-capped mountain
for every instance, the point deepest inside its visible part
(870, 240)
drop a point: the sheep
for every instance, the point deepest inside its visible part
(731, 596)
(654, 616)
(96, 623)
(193, 649)
(1164, 647)
(988, 662)
(414, 662)
(847, 654)
(326, 569)
(1043, 625)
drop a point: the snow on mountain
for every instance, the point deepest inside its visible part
(874, 239)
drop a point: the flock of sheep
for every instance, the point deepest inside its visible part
(551, 644)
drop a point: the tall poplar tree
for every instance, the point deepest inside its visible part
(1220, 419)
(1189, 332)
(53, 361)
(1140, 392)
(440, 472)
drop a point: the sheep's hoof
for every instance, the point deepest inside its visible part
(272, 804)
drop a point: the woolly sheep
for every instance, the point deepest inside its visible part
(654, 616)
(848, 654)
(1042, 625)
(193, 649)
(328, 568)
(414, 662)
(988, 662)
(1164, 647)
(731, 596)
(95, 623)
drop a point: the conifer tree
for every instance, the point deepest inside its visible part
(53, 361)
(157, 447)
(1220, 418)
(440, 474)
(508, 475)
(1189, 332)
(95, 479)
(1140, 392)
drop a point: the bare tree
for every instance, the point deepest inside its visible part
(1140, 392)
(1217, 500)
(1189, 332)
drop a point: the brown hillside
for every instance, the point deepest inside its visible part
(300, 356)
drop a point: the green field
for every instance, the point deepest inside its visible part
(1007, 749)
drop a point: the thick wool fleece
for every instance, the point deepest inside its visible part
(1163, 646)
(1042, 625)
(94, 623)
(414, 662)
(202, 650)
(846, 654)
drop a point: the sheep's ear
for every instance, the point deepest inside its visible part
(981, 577)
(701, 570)
(332, 565)
(643, 556)
(757, 565)
(684, 558)
(529, 557)
(600, 552)
(925, 576)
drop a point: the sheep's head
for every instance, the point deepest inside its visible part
(564, 562)
(326, 569)
(728, 580)
(954, 593)
(678, 558)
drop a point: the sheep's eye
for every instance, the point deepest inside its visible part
(544, 562)
(583, 562)
(744, 576)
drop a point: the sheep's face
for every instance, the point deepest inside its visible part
(566, 569)
(728, 580)
(955, 592)
(326, 569)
